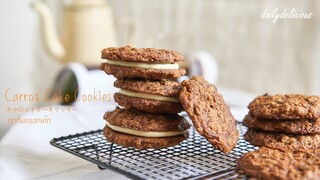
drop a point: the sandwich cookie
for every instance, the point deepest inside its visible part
(290, 106)
(149, 96)
(267, 163)
(145, 63)
(281, 141)
(298, 126)
(143, 130)
(210, 115)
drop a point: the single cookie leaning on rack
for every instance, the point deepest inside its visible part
(160, 96)
(142, 130)
(145, 63)
(289, 106)
(267, 163)
(298, 126)
(285, 142)
(210, 115)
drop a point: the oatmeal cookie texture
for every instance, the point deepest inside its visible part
(287, 130)
(150, 101)
(298, 126)
(146, 121)
(138, 142)
(267, 163)
(147, 105)
(128, 53)
(290, 106)
(209, 113)
(161, 87)
(282, 141)
(157, 96)
(143, 63)
(143, 73)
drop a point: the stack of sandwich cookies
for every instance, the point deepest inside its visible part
(285, 122)
(144, 130)
(150, 100)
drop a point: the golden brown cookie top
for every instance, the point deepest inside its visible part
(287, 106)
(143, 121)
(128, 53)
(210, 115)
(161, 87)
(268, 163)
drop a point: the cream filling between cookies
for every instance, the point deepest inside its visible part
(148, 96)
(144, 133)
(143, 65)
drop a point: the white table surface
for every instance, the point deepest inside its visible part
(25, 152)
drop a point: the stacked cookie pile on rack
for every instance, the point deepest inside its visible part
(285, 122)
(149, 99)
(287, 130)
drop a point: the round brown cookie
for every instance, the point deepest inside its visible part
(127, 53)
(267, 163)
(210, 115)
(143, 121)
(282, 141)
(147, 105)
(161, 87)
(290, 106)
(138, 142)
(299, 126)
(143, 73)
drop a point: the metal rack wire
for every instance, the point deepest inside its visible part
(194, 158)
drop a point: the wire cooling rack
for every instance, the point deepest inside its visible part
(194, 158)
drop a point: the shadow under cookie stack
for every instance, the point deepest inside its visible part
(148, 119)
(287, 130)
